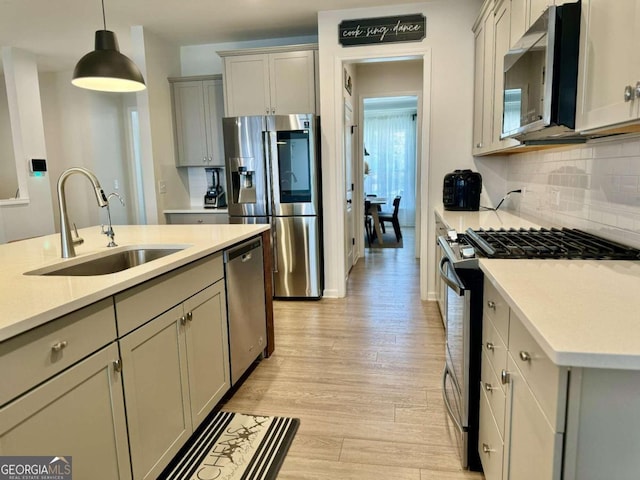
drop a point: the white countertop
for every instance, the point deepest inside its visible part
(583, 313)
(27, 301)
(460, 221)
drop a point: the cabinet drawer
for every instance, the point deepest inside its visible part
(35, 356)
(217, 218)
(493, 346)
(490, 444)
(497, 310)
(547, 381)
(492, 387)
(535, 449)
(138, 305)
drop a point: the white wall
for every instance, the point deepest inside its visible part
(34, 215)
(447, 51)
(86, 129)
(203, 59)
(8, 177)
(158, 60)
(594, 187)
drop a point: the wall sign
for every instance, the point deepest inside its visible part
(367, 31)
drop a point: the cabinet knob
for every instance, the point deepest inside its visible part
(479, 145)
(189, 316)
(525, 356)
(117, 366)
(487, 449)
(489, 388)
(628, 93)
(637, 89)
(504, 377)
(183, 320)
(58, 346)
(490, 346)
(491, 304)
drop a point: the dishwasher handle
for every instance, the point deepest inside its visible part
(242, 251)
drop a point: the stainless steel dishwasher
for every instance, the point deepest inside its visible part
(244, 274)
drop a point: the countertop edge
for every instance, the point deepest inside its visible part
(122, 281)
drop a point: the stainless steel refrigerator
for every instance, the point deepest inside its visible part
(273, 177)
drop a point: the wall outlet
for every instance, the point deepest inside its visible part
(116, 184)
(162, 186)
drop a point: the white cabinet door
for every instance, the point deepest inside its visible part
(190, 128)
(154, 370)
(518, 22)
(478, 89)
(292, 80)
(278, 83)
(246, 83)
(501, 35)
(608, 39)
(488, 92)
(198, 108)
(534, 448)
(214, 111)
(207, 350)
(78, 413)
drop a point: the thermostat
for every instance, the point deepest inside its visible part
(37, 165)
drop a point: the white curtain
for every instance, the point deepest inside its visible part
(390, 140)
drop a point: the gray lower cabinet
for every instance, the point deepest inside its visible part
(77, 413)
(175, 370)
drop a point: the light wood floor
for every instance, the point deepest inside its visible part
(363, 375)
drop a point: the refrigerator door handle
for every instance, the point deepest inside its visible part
(274, 242)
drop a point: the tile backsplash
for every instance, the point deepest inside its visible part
(594, 187)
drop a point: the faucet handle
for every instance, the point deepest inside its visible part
(78, 240)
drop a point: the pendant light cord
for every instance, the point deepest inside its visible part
(104, 18)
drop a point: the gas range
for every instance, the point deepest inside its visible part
(532, 243)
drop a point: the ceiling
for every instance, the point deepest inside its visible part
(59, 32)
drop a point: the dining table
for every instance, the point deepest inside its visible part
(375, 202)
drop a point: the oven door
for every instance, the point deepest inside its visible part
(455, 381)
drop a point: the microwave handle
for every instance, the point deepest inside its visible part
(454, 283)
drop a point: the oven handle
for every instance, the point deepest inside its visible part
(455, 420)
(455, 284)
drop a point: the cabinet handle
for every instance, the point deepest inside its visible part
(267, 112)
(628, 93)
(489, 388)
(490, 346)
(117, 366)
(479, 145)
(504, 377)
(525, 356)
(637, 89)
(200, 221)
(56, 347)
(491, 304)
(487, 449)
(189, 316)
(183, 320)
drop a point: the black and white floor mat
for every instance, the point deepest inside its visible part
(234, 446)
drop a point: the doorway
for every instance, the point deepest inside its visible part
(387, 90)
(389, 141)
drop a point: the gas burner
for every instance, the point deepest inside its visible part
(547, 243)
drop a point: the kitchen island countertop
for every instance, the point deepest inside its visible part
(27, 301)
(582, 313)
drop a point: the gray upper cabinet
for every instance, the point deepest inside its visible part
(198, 107)
(270, 81)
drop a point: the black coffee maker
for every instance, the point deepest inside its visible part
(215, 196)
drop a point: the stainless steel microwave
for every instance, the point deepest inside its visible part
(541, 77)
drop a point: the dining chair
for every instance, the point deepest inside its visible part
(368, 222)
(392, 217)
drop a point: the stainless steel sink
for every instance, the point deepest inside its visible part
(111, 263)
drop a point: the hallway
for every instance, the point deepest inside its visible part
(363, 374)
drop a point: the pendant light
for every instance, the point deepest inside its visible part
(106, 69)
